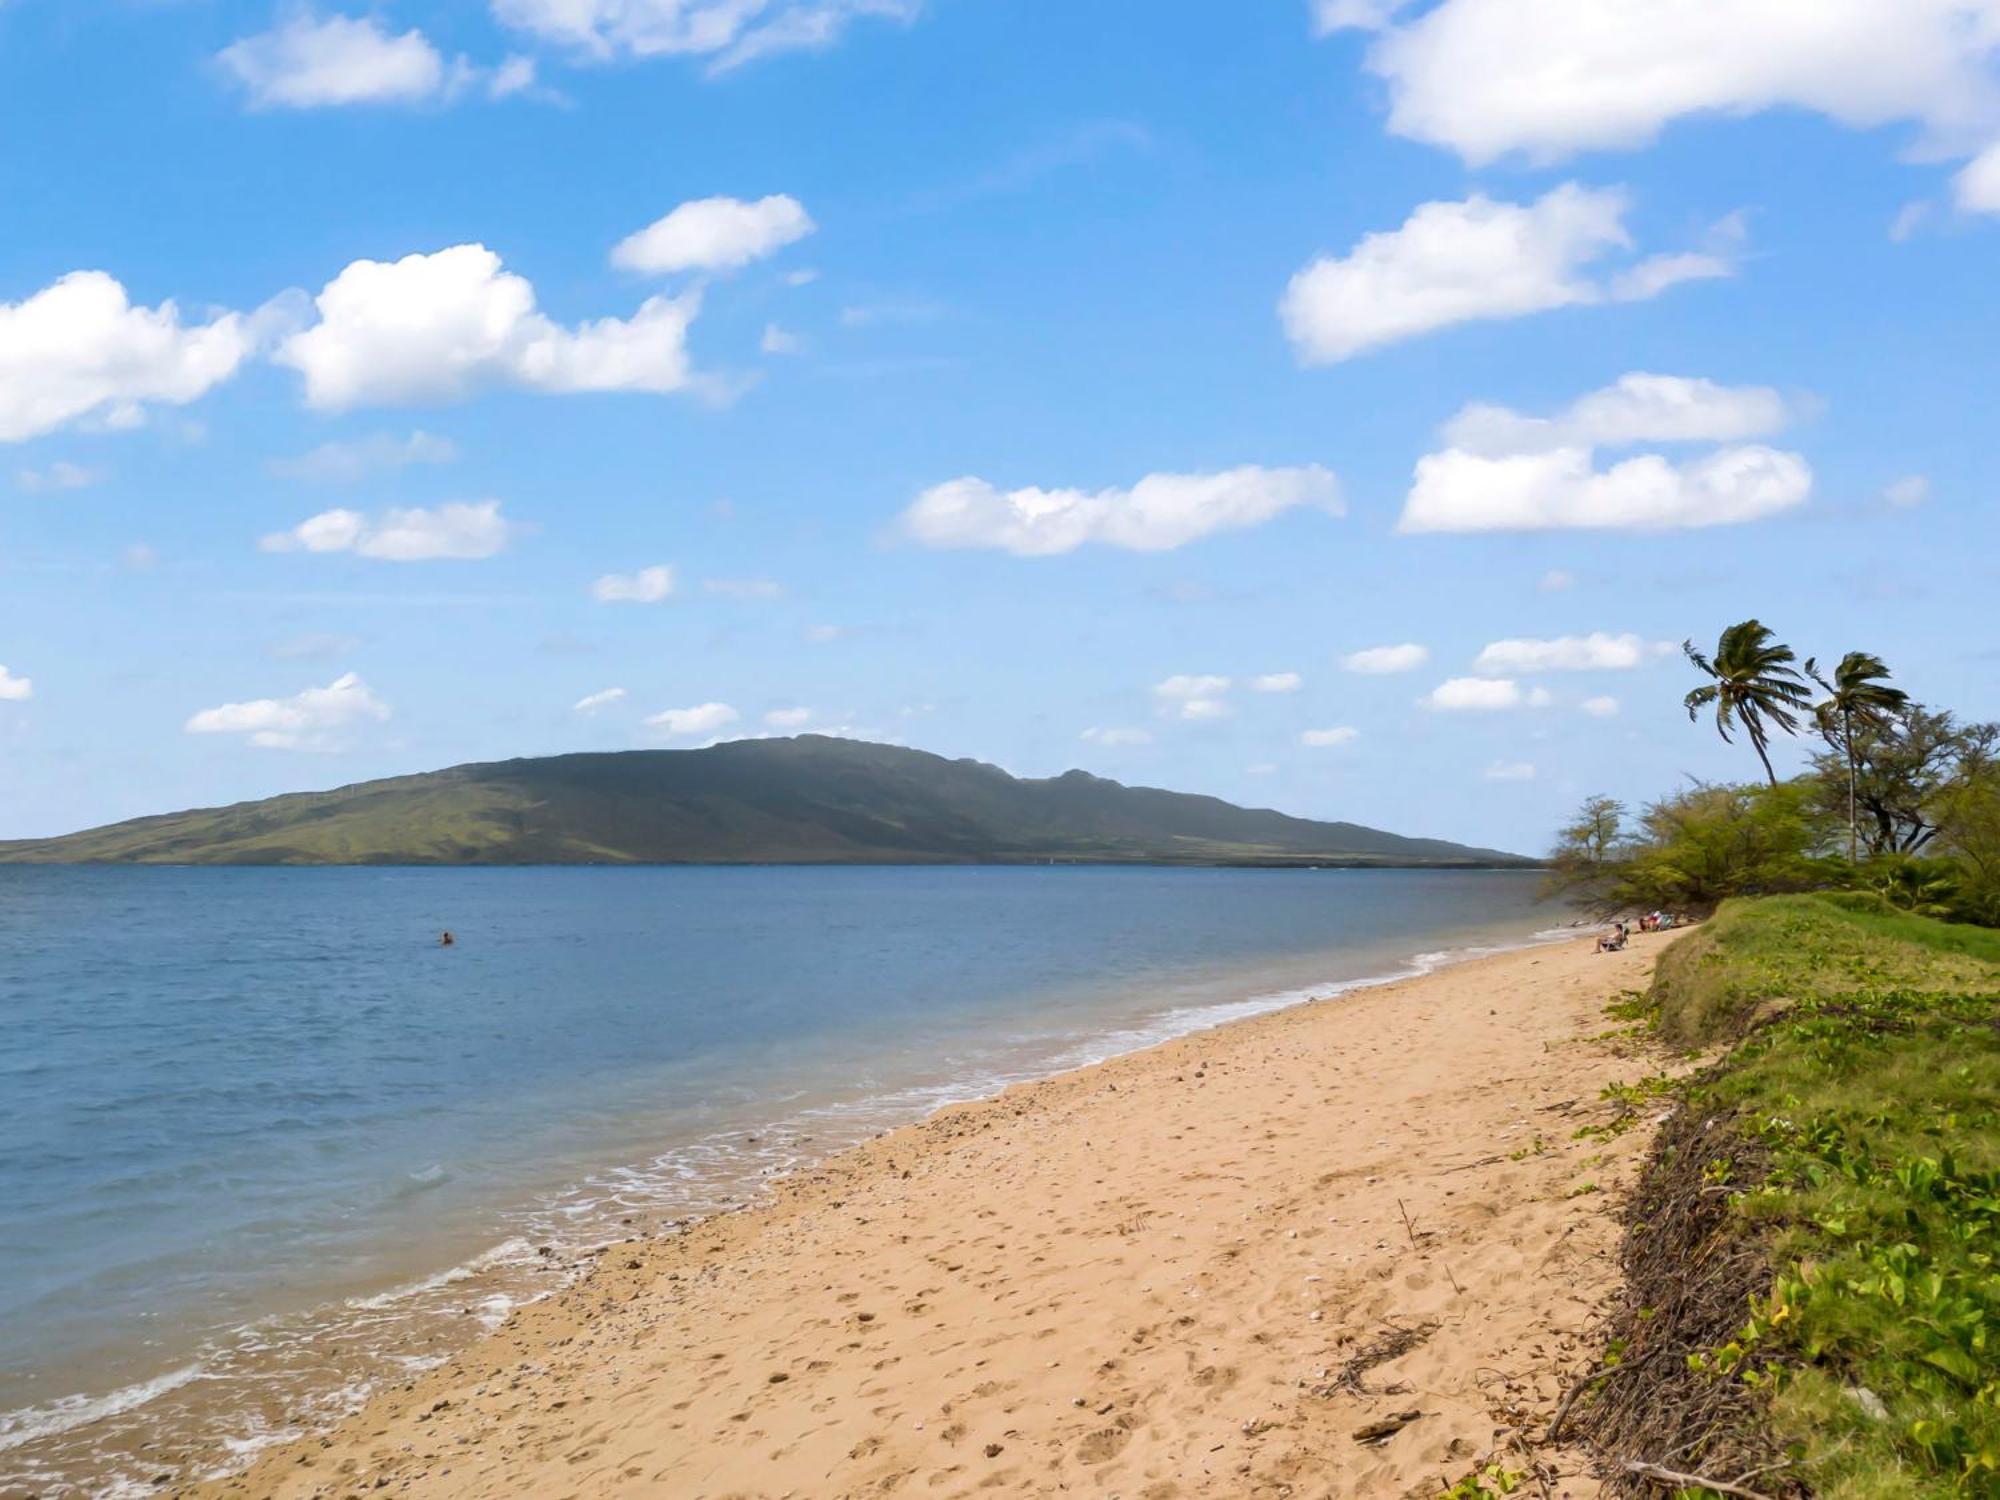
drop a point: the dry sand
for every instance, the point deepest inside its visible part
(1141, 1279)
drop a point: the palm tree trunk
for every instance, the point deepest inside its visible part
(1853, 775)
(1757, 744)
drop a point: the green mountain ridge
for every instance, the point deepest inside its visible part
(809, 799)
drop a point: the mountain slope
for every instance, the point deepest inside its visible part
(808, 799)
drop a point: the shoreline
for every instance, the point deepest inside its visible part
(636, 1287)
(494, 1281)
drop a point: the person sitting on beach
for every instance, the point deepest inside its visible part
(1613, 940)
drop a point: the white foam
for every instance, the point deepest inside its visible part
(28, 1423)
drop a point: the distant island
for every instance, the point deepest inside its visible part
(809, 799)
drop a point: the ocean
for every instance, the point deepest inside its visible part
(264, 1143)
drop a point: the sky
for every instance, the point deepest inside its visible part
(1346, 407)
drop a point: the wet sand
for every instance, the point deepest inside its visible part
(1140, 1279)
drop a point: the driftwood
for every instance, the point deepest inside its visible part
(1674, 1477)
(1386, 1428)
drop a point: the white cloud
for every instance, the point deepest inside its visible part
(1547, 78)
(60, 475)
(1114, 737)
(778, 341)
(1509, 770)
(436, 327)
(307, 62)
(313, 646)
(1636, 408)
(1977, 187)
(822, 635)
(352, 462)
(1599, 651)
(714, 234)
(1556, 581)
(1562, 488)
(1193, 696)
(729, 32)
(1160, 512)
(462, 530)
(684, 723)
(751, 589)
(15, 689)
(1326, 738)
(1908, 492)
(1476, 694)
(1184, 685)
(1458, 262)
(647, 586)
(590, 703)
(1378, 661)
(1277, 682)
(1604, 707)
(79, 348)
(788, 718)
(139, 557)
(316, 719)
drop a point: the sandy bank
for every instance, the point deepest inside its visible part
(1141, 1279)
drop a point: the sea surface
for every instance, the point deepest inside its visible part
(264, 1143)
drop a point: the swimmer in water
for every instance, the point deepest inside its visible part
(446, 941)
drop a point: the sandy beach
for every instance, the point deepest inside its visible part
(1163, 1276)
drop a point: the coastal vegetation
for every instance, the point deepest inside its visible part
(1811, 1300)
(809, 799)
(1901, 801)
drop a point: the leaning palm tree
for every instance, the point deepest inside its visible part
(1859, 690)
(1754, 684)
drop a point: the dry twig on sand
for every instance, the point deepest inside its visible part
(1395, 1340)
(1676, 1478)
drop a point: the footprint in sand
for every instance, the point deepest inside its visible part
(1102, 1445)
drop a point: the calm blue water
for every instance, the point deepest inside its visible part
(247, 1116)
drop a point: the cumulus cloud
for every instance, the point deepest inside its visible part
(1483, 695)
(60, 475)
(1459, 262)
(462, 530)
(714, 234)
(1159, 513)
(1327, 738)
(685, 723)
(1112, 737)
(15, 689)
(1378, 661)
(437, 327)
(647, 586)
(1563, 488)
(788, 718)
(1547, 78)
(1193, 696)
(352, 462)
(590, 703)
(79, 348)
(1635, 408)
(1604, 707)
(1277, 682)
(1599, 651)
(1509, 770)
(319, 718)
(1977, 187)
(728, 32)
(309, 62)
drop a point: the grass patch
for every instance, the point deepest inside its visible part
(1755, 957)
(1813, 1254)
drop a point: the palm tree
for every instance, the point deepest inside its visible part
(1859, 690)
(1754, 683)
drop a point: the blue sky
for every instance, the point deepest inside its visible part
(1058, 385)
